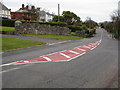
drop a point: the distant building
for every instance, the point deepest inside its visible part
(31, 14)
(5, 12)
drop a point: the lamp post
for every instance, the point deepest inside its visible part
(58, 12)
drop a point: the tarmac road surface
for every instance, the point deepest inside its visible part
(97, 68)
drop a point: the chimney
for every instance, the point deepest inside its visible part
(27, 7)
(38, 9)
(22, 6)
(33, 7)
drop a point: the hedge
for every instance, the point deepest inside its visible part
(8, 22)
(11, 23)
(74, 28)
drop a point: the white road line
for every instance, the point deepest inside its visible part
(15, 68)
(94, 48)
(65, 55)
(59, 42)
(48, 59)
(76, 56)
(26, 61)
(73, 52)
(81, 49)
(4, 65)
(91, 45)
(86, 47)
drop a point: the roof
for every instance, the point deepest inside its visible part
(3, 6)
(22, 11)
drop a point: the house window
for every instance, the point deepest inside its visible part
(2, 11)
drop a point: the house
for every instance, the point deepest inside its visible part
(5, 12)
(45, 16)
(24, 13)
(31, 13)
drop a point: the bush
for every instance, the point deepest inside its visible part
(91, 32)
(75, 28)
(11, 23)
(8, 22)
(3, 18)
(62, 24)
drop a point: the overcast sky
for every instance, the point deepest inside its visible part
(98, 10)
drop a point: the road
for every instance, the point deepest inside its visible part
(97, 68)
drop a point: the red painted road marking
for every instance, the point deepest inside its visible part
(66, 55)
(57, 57)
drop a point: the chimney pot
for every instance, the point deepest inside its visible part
(22, 6)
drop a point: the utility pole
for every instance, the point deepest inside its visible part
(58, 12)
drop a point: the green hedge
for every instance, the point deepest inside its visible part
(91, 32)
(8, 22)
(11, 23)
(75, 28)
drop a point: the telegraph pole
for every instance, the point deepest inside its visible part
(58, 12)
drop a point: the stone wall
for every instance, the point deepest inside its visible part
(36, 28)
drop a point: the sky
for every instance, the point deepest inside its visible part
(98, 10)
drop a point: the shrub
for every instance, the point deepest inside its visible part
(75, 28)
(91, 32)
(11, 23)
(8, 22)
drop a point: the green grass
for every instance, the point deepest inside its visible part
(15, 43)
(7, 29)
(62, 37)
(73, 33)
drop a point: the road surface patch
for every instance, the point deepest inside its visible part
(65, 55)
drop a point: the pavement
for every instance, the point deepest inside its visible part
(97, 68)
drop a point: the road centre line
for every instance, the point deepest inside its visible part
(59, 42)
(65, 55)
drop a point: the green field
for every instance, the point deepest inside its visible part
(15, 43)
(7, 29)
(62, 37)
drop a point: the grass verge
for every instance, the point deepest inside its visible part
(15, 43)
(7, 29)
(62, 37)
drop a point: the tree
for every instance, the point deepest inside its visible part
(68, 17)
(55, 19)
(90, 23)
(113, 26)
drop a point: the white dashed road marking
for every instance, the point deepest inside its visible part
(65, 55)
(48, 59)
(73, 52)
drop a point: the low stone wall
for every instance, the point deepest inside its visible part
(36, 28)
